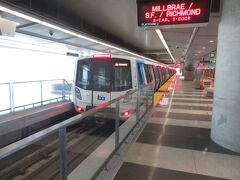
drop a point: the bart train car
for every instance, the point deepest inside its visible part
(101, 78)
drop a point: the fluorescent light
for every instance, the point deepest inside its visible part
(211, 41)
(52, 26)
(159, 33)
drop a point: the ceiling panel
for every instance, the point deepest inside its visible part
(18, 20)
(99, 47)
(81, 42)
(46, 31)
(201, 45)
(117, 17)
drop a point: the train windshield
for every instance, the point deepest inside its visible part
(101, 75)
(83, 75)
(104, 75)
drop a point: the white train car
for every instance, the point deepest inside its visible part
(103, 77)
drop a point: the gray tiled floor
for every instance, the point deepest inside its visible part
(128, 171)
(176, 143)
(192, 101)
(202, 108)
(182, 116)
(181, 137)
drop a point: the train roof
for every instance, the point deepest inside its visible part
(102, 56)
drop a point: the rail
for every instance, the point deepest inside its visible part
(29, 94)
(142, 101)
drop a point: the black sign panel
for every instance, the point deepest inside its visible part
(173, 12)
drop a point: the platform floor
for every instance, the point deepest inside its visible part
(175, 143)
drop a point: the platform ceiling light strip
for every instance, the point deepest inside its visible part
(18, 14)
(159, 33)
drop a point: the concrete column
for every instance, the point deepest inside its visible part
(226, 111)
(198, 75)
(189, 73)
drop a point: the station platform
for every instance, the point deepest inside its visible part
(176, 143)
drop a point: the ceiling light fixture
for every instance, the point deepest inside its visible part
(160, 35)
(211, 41)
(56, 27)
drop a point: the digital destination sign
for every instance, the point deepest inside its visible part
(173, 12)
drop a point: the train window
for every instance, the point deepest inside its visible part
(155, 69)
(140, 74)
(147, 73)
(160, 75)
(83, 75)
(122, 78)
(101, 75)
(164, 74)
(151, 72)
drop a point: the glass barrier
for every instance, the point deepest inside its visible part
(123, 117)
(24, 95)
(5, 101)
(52, 90)
(128, 117)
(80, 146)
(90, 142)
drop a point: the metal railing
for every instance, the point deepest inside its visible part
(142, 101)
(24, 95)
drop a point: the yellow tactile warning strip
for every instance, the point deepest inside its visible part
(162, 90)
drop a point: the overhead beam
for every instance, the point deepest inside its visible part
(54, 40)
(194, 33)
(157, 52)
(67, 38)
(26, 25)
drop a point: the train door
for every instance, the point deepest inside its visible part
(147, 73)
(152, 75)
(163, 75)
(101, 81)
(160, 76)
(121, 77)
(157, 78)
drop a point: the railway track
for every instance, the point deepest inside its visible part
(41, 160)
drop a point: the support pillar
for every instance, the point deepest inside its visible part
(226, 111)
(189, 73)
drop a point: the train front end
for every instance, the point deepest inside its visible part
(99, 79)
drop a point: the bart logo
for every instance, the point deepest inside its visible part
(101, 98)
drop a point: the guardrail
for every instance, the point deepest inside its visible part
(24, 95)
(138, 102)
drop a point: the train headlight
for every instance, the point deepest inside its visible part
(126, 113)
(79, 109)
(78, 93)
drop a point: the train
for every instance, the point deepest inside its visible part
(102, 77)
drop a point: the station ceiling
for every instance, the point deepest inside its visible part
(115, 21)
